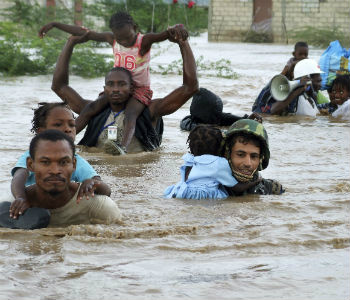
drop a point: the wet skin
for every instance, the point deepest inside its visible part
(60, 118)
(117, 89)
(301, 53)
(53, 165)
(245, 157)
(339, 94)
(125, 36)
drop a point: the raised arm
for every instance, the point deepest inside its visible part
(178, 97)
(178, 31)
(77, 30)
(60, 81)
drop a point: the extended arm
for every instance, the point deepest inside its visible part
(173, 101)
(178, 31)
(60, 81)
(77, 30)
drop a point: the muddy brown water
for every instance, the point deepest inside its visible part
(294, 246)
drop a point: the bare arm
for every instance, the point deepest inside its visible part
(92, 186)
(173, 101)
(20, 204)
(279, 106)
(60, 81)
(77, 30)
(151, 38)
(90, 110)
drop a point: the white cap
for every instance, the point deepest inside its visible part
(306, 67)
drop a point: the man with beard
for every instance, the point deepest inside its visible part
(53, 199)
(247, 150)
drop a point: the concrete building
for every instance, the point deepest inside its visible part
(233, 20)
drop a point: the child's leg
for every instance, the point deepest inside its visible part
(132, 111)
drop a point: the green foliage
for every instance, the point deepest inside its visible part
(86, 63)
(14, 62)
(195, 19)
(221, 68)
(257, 37)
(23, 19)
(320, 37)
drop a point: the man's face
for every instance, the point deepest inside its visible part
(53, 166)
(339, 94)
(301, 53)
(245, 157)
(316, 82)
(60, 118)
(117, 88)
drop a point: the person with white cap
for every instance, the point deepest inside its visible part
(302, 100)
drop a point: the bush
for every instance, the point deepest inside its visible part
(195, 19)
(23, 20)
(320, 37)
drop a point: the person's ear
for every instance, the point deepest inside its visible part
(30, 164)
(293, 53)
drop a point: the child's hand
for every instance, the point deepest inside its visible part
(255, 117)
(177, 33)
(43, 30)
(87, 189)
(79, 39)
(18, 207)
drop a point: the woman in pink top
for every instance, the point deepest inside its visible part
(131, 51)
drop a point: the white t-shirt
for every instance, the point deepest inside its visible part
(305, 108)
(343, 111)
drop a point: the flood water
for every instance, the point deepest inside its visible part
(294, 246)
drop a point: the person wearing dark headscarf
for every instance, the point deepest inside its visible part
(207, 108)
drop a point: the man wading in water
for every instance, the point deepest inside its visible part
(105, 129)
(53, 198)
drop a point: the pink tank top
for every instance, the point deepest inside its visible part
(130, 58)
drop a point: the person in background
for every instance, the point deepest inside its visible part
(205, 171)
(301, 51)
(53, 116)
(207, 108)
(302, 100)
(131, 50)
(340, 98)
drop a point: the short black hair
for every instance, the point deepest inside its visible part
(120, 19)
(343, 81)
(300, 44)
(121, 69)
(41, 113)
(50, 135)
(205, 139)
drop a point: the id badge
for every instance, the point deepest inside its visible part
(112, 132)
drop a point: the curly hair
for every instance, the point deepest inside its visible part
(343, 81)
(205, 139)
(41, 113)
(120, 19)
